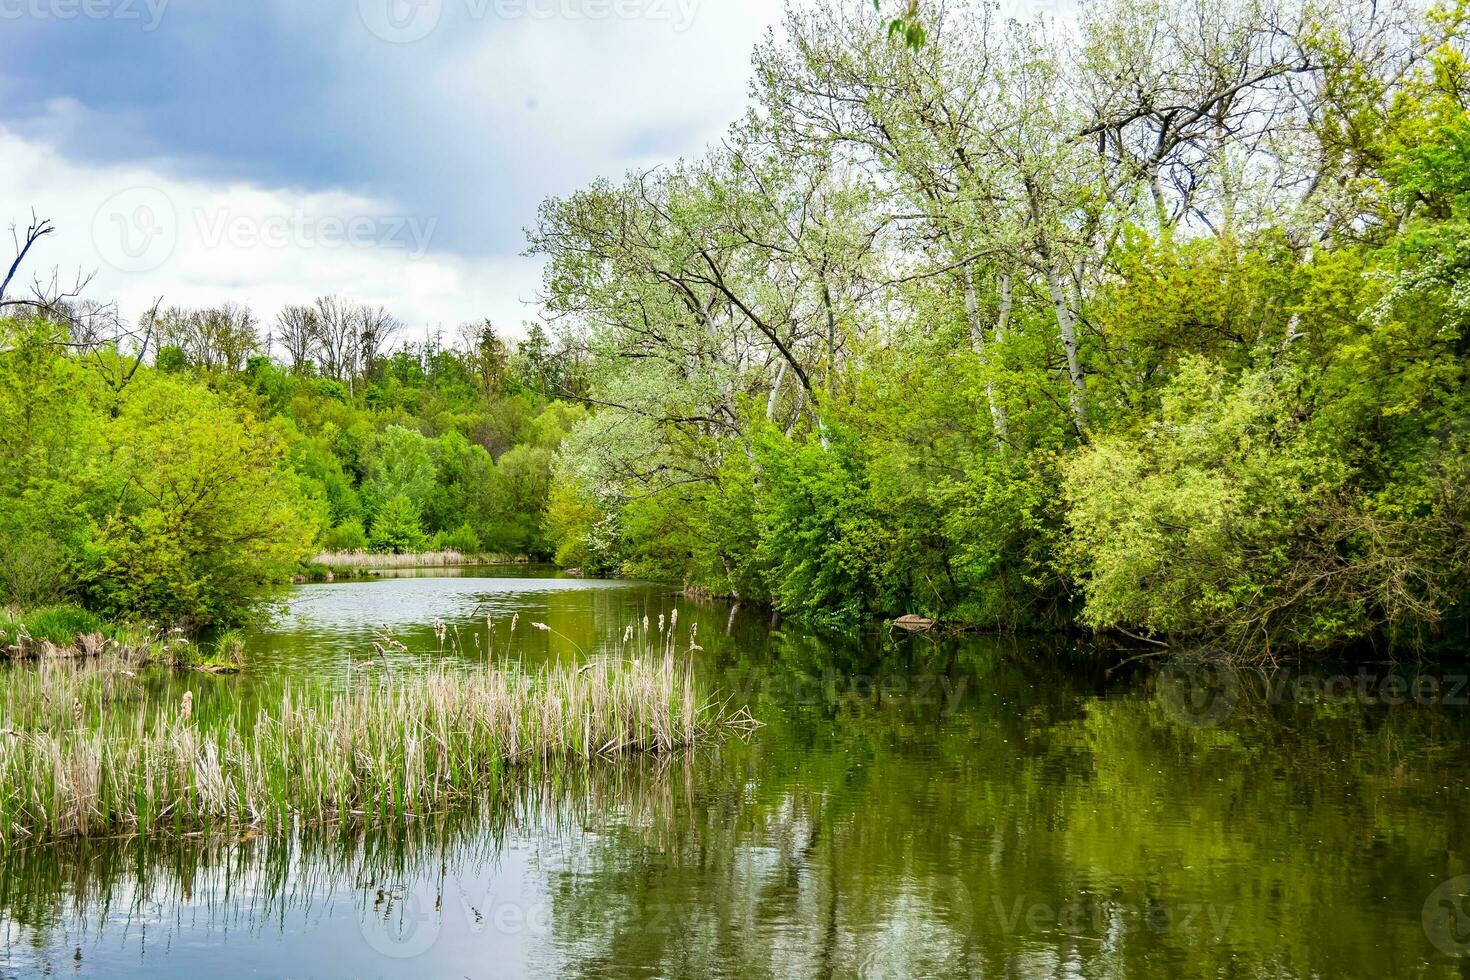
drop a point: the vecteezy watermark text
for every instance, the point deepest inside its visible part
(220, 227)
(1202, 693)
(138, 230)
(835, 688)
(407, 21)
(147, 13)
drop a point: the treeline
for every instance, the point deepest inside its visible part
(1157, 325)
(176, 473)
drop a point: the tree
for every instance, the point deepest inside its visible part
(298, 332)
(194, 514)
(487, 356)
(336, 337)
(396, 527)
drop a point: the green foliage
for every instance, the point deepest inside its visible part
(60, 624)
(819, 538)
(906, 342)
(1189, 528)
(347, 536)
(396, 527)
(462, 539)
(194, 513)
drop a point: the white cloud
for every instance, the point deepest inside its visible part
(476, 123)
(148, 234)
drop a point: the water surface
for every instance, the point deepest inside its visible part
(968, 807)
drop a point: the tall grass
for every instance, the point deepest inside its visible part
(85, 751)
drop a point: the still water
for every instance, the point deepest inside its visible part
(911, 808)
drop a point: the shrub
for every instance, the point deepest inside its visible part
(347, 536)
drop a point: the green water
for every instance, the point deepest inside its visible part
(911, 808)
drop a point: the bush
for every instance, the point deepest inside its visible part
(196, 515)
(462, 539)
(1211, 523)
(60, 624)
(347, 536)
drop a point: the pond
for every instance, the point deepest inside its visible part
(998, 808)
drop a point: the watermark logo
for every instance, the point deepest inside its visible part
(402, 925)
(1447, 917)
(400, 21)
(147, 13)
(136, 230)
(407, 21)
(407, 922)
(1198, 693)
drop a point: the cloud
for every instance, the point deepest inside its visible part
(149, 234)
(270, 152)
(493, 105)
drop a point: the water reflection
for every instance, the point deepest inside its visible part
(1000, 809)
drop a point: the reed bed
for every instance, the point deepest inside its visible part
(85, 751)
(421, 559)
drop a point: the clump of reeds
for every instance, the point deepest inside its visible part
(79, 758)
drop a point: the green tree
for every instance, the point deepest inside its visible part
(396, 527)
(195, 515)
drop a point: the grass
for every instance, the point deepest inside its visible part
(69, 632)
(85, 750)
(58, 624)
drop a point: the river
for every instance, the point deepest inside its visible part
(911, 807)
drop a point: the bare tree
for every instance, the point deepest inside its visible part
(38, 229)
(91, 328)
(296, 328)
(219, 338)
(336, 337)
(49, 300)
(376, 328)
(230, 331)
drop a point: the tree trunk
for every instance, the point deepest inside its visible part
(977, 339)
(1067, 327)
(775, 393)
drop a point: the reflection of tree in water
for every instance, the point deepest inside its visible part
(1059, 822)
(1049, 820)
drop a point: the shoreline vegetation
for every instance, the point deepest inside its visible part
(62, 633)
(332, 566)
(87, 748)
(416, 559)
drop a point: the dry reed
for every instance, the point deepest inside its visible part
(85, 751)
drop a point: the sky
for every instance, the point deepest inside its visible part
(392, 151)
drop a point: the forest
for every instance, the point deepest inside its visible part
(182, 491)
(1154, 322)
(1151, 321)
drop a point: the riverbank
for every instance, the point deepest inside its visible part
(419, 559)
(72, 633)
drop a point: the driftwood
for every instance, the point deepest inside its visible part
(913, 624)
